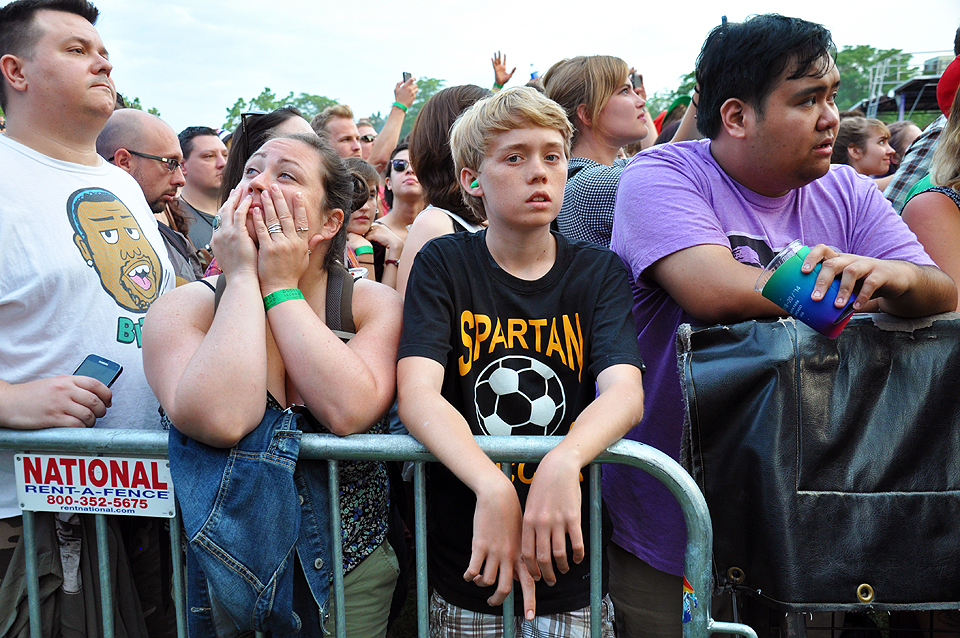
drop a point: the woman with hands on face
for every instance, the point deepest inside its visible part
(216, 370)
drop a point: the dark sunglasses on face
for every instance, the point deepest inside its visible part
(368, 138)
(399, 165)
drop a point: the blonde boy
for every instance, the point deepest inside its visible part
(515, 331)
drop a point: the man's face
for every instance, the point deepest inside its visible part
(159, 184)
(367, 136)
(129, 268)
(69, 73)
(791, 141)
(344, 136)
(203, 170)
(523, 176)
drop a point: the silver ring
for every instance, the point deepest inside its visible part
(217, 222)
(274, 228)
(302, 230)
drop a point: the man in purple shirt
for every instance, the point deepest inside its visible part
(695, 222)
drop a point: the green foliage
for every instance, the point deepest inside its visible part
(855, 64)
(307, 103)
(427, 88)
(662, 99)
(134, 103)
(310, 105)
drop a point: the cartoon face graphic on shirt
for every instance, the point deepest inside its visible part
(112, 243)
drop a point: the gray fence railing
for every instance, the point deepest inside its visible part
(133, 443)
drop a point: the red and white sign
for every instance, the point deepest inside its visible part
(94, 485)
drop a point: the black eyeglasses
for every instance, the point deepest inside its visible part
(171, 164)
(399, 165)
(368, 138)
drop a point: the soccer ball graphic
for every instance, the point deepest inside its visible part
(519, 395)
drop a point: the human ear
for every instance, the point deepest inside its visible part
(122, 158)
(12, 68)
(735, 115)
(470, 183)
(855, 152)
(332, 223)
(583, 116)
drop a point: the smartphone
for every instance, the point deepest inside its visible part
(103, 370)
(637, 80)
(406, 76)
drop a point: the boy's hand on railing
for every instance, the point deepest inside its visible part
(552, 513)
(495, 557)
(54, 402)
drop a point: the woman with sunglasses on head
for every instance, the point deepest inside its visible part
(254, 130)
(433, 162)
(226, 368)
(598, 95)
(405, 198)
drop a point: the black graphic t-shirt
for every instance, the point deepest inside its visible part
(520, 358)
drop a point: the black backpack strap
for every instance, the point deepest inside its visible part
(339, 308)
(221, 286)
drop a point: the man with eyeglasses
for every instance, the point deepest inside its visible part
(146, 147)
(77, 280)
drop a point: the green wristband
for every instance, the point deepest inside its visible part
(499, 86)
(280, 296)
(400, 106)
(363, 250)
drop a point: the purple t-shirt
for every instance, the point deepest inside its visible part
(676, 196)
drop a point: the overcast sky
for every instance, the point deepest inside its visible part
(192, 59)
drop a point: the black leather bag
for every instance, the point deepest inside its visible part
(829, 464)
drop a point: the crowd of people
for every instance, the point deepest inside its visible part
(519, 265)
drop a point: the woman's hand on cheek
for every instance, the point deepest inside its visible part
(234, 247)
(283, 255)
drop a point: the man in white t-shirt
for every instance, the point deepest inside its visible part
(80, 252)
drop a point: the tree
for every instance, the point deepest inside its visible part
(427, 88)
(134, 103)
(662, 99)
(856, 63)
(267, 101)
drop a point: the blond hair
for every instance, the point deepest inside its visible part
(320, 120)
(588, 80)
(945, 166)
(505, 111)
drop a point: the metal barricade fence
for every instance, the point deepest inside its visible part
(385, 447)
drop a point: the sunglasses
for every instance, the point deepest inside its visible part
(368, 138)
(399, 165)
(171, 164)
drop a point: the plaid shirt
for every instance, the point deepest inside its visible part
(588, 199)
(915, 164)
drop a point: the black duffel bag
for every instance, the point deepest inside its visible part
(831, 467)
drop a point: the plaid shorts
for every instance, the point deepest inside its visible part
(450, 621)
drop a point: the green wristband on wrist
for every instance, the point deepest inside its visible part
(363, 250)
(499, 86)
(400, 106)
(280, 296)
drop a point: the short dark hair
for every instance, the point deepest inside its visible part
(254, 130)
(745, 60)
(388, 193)
(186, 138)
(430, 147)
(19, 33)
(956, 42)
